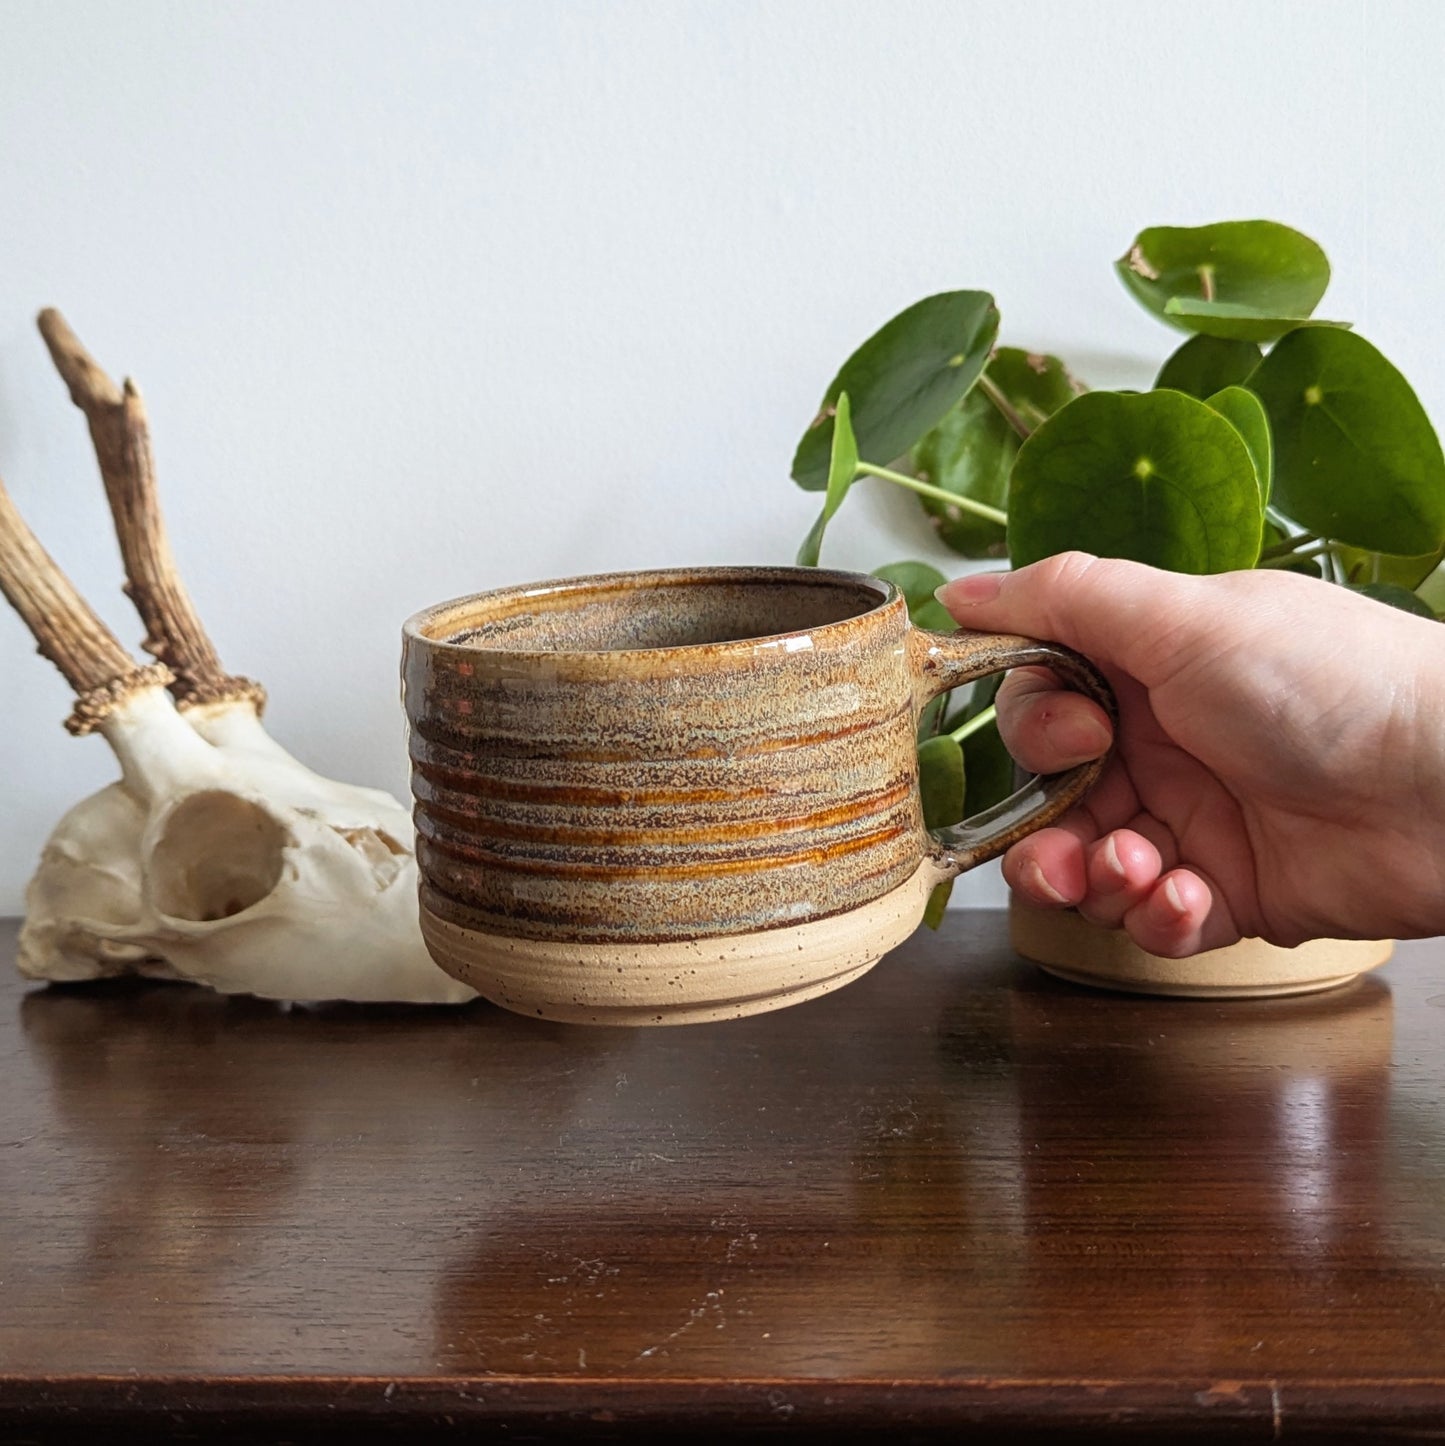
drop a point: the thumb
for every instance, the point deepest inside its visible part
(1122, 615)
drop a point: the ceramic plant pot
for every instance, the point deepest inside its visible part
(667, 797)
(1071, 947)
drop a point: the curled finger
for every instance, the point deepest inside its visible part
(1047, 727)
(1121, 869)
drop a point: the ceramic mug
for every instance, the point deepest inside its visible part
(665, 797)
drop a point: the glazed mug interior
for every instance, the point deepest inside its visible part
(631, 789)
(605, 615)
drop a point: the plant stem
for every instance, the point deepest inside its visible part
(976, 724)
(1004, 407)
(1286, 558)
(1284, 548)
(937, 494)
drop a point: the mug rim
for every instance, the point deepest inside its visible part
(888, 596)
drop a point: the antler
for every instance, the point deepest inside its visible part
(67, 631)
(121, 434)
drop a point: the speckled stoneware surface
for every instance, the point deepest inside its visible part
(607, 769)
(1068, 945)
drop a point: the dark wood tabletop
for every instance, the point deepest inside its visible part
(956, 1194)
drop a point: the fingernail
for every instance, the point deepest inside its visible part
(977, 587)
(1113, 866)
(1033, 876)
(1174, 898)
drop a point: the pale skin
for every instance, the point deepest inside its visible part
(1279, 769)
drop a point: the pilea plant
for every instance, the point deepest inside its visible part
(1270, 438)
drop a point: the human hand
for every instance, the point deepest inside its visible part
(1280, 760)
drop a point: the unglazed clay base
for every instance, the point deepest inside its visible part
(687, 983)
(1072, 948)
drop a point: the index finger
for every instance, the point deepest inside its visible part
(1122, 615)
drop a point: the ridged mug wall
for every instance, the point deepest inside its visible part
(672, 796)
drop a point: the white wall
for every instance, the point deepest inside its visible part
(430, 297)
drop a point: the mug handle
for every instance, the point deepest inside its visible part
(940, 661)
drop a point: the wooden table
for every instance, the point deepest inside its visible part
(957, 1194)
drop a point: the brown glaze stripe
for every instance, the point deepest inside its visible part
(643, 861)
(785, 743)
(698, 782)
(760, 864)
(503, 745)
(485, 786)
(536, 921)
(679, 837)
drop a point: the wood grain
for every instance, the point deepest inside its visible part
(957, 1194)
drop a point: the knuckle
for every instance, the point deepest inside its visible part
(1022, 684)
(1068, 569)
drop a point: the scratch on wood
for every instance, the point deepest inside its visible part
(712, 1301)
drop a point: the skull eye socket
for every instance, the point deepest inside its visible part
(217, 856)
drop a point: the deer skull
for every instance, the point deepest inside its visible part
(217, 857)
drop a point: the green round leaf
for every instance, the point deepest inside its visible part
(918, 581)
(937, 904)
(1036, 384)
(1204, 365)
(1253, 280)
(1245, 413)
(980, 695)
(903, 380)
(1432, 591)
(842, 473)
(971, 451)
(1355, 456)
(930, 719)
(1397, 597)
(1363, 567)
(811, 547)
(989, 768)
(1230, 319)
(1159, 477)
(940, 781)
